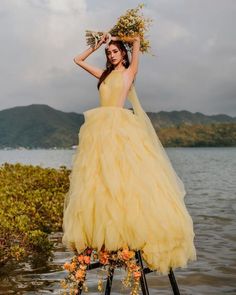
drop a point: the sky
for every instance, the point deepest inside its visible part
(192, 66)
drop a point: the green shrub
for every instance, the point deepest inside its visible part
(31, 207)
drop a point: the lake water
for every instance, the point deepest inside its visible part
(209, 175)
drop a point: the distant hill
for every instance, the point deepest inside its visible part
(199, 135)
(41, 126)
(174, 118)
(38, 125)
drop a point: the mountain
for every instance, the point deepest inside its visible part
(38, 125)
(41, 126)
(164, 119)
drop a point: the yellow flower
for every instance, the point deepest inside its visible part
(63, 284)
(100, 287)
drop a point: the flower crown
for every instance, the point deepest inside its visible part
(131, 24)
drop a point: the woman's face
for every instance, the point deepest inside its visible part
(114, 55)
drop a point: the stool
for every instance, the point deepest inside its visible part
(143, 281)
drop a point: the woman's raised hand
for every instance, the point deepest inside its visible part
(114, 38)
(106, 37)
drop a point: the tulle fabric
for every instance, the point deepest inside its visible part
(125, 192)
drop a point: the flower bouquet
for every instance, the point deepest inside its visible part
(131, 24)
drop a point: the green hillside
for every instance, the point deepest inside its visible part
(199, 135)
(41, 126)
(38, 125)
(175, 118)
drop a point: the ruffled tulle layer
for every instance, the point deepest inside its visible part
(122, 194)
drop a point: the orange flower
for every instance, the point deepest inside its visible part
(126, 254)
(72, 266)
(87, 259)
(79, 274)
(134, 267)
(66, 266)
(137, 274)
(103, 257)
(81, 258)
(83, 266)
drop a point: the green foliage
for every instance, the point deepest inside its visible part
(31, 207)
(213, 135)
(37, 126)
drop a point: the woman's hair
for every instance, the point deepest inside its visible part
(109, 67)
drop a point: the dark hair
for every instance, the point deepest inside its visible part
(109, 67)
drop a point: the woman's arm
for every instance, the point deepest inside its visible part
(79, 59)
(133, 68)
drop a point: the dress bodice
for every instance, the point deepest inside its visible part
(112, 91)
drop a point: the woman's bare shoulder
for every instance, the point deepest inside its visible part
(129, 75)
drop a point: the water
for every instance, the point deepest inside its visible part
(209, 178)
(42, 157)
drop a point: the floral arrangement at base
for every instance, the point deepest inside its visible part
(122, 258)
(131, 24)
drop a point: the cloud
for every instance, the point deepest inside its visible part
(193, 67)
(60, 6)
(170, 32)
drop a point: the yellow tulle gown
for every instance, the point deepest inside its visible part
(123, 188)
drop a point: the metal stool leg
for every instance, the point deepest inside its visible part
(109, 281)
(173, 282)
(80, 289)
(143, 281)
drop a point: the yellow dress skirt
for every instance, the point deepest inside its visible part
(125, 193)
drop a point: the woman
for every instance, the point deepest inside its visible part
(117, 59)
(124, 191)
